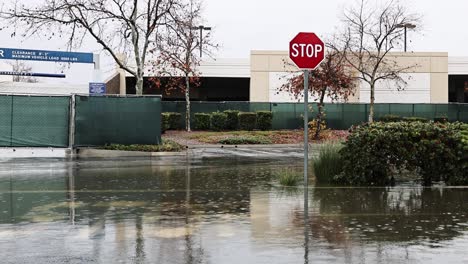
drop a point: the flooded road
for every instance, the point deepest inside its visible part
(217, 211)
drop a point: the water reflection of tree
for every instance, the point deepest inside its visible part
(389, 215)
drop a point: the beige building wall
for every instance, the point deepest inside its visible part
(427, 79)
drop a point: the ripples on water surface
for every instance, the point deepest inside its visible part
(217, 211)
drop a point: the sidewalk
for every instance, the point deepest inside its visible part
(210, 151)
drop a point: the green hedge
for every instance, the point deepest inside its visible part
(171, 121)
(232, 122)
(264, 120)
(202, 121)
(374, 153)
(247, 121)
(397, 118)
(218, 121)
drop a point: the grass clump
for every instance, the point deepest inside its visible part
(245, 140)
(328, 164)
(166, 146)
(289, 177)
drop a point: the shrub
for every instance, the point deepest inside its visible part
(166, 146)
(288, 177)
(390, 118)
(441, 119)
(264, 120)
(218, 121)
(202, 121)
(313, 126)
(328, 164)
(415, 119)
(165, 122)
(171, 121)
(374, 152)
(462, 177)
(232, 122)
(247, 121)
(245, 140)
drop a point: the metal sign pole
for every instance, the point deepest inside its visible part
(306, 139)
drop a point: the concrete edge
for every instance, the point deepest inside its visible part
(104, 153)
(275, 146)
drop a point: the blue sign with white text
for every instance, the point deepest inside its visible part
(46, 55)
(97, 88)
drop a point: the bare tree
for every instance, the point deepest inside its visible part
(24, 71)
(370, 32)
(178, 48)
(120, 26)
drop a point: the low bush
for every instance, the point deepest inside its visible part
(390, 118)
(415, 119)
(462, 178)
(245, 140)
(328, 164)
(396, 118)
(218, 121)
(165, 122)
(247, 121)
(232, 122)
(374, 152)
(171, 121)
(264, 120)
(441, 119)
(202, 121)
(166, 146)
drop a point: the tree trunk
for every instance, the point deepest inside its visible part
(187, 101)
(320, 115)
(139, 84)
(372, 100)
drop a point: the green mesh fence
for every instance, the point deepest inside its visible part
(338, 116)
(102, 120)
(34, 121)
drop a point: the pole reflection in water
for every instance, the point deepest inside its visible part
(71, 193)
(306, 225)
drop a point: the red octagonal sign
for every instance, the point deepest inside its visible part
(307, 51)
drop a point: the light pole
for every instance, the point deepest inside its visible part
(406, 26)
(201, 28)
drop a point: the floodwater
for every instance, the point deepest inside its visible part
(217, 211)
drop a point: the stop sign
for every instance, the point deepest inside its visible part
(306, 50)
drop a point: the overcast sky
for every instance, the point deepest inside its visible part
(244, 25)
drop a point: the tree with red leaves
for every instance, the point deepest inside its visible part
(331, 79)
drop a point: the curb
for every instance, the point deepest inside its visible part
(103, 153)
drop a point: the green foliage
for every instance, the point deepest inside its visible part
(166, 146)
(288, 177)
(202, 121)
(245, 140)
(247, 121)
(396, 118)
(328, 164)
(374, 152)
(232, 122)
(170, 121)
(218, 121)
(462, 178)
(441, 119)
(390, 118)
(415, 119)
(264, 120)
